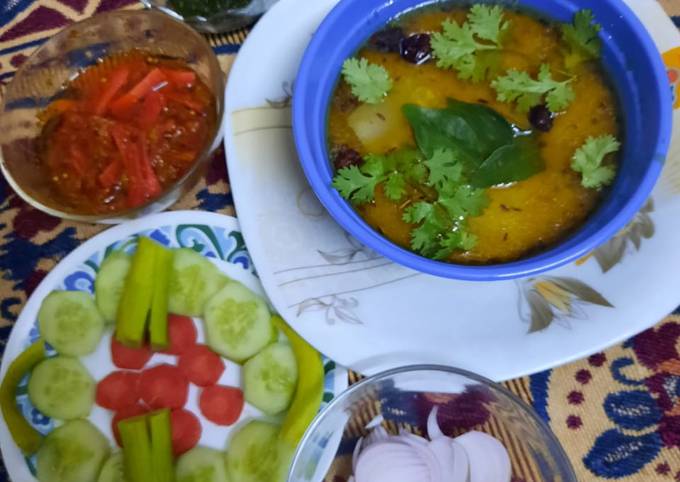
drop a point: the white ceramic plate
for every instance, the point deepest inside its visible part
(215, 236)
(370, 314)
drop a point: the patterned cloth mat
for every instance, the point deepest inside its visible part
(616, 413)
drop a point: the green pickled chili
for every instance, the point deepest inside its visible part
(135, 302)
(161, 446)
(134, 434)
(158, 321)
(24, 435)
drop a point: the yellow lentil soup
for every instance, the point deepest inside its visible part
(394, 132)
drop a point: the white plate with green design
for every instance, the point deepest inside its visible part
(370, 314)
(216, 237)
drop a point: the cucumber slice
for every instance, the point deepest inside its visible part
(201, 464)
(270, 377)
(237, 322)
(70, 322)
(193, 280)
(61, 388)
(73, 452)
(108, 286)
(255, 454)
(113, 469)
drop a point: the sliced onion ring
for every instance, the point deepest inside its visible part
(433, 430)
(489, 460)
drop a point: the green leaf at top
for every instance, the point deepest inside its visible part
(519, 86)
(370, 83)
(487, 22)
(509, 163)
(462, 46)
(472, 130)
(582, 38)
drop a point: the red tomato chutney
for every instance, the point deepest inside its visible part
(123, 131)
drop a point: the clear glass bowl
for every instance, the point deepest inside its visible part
(404, 397)
(61, 58)
(223, 21)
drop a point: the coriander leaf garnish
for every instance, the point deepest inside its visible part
(582, 38)
(417, 212)
(370, 83)
(464, 201)
(444, 167)
(456, 240)
(461, 47)
(395, 186)
(487, 22)
(518, 86)
(358, 183)
(425, 238)
(354, 185)
(444, 222)
(588, 160)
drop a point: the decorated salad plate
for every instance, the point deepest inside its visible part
(369, 313)
(182, 387)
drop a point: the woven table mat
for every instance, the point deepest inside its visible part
(616, 413)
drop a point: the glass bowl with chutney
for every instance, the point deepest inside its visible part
(112, 118)
(482, 140)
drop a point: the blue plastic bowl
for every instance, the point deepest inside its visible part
(634, 66)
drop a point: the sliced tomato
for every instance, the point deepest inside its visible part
(201, 365)
(221, 405)
(150, 110)
(122, 106)
(117, 390)
(78, 159)
(111, 174)
(130, 358)
(116, 81)
(180, 78)
(186, 430)
(152, 186)
(127, 145)
(185, 100)
(182, 334)
(124, 414)
(164, 386)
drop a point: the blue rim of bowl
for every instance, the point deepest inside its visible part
(345, 215)
(557, 450)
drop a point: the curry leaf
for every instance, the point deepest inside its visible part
(473, 131)
(509, 163)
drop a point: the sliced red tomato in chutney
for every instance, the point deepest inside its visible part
(130, 358)
(182, 333)
(164, 386)
(221, 405)
(118, 390)
(123, 131)
(123, 414)
(186, 430)
(201, 365)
